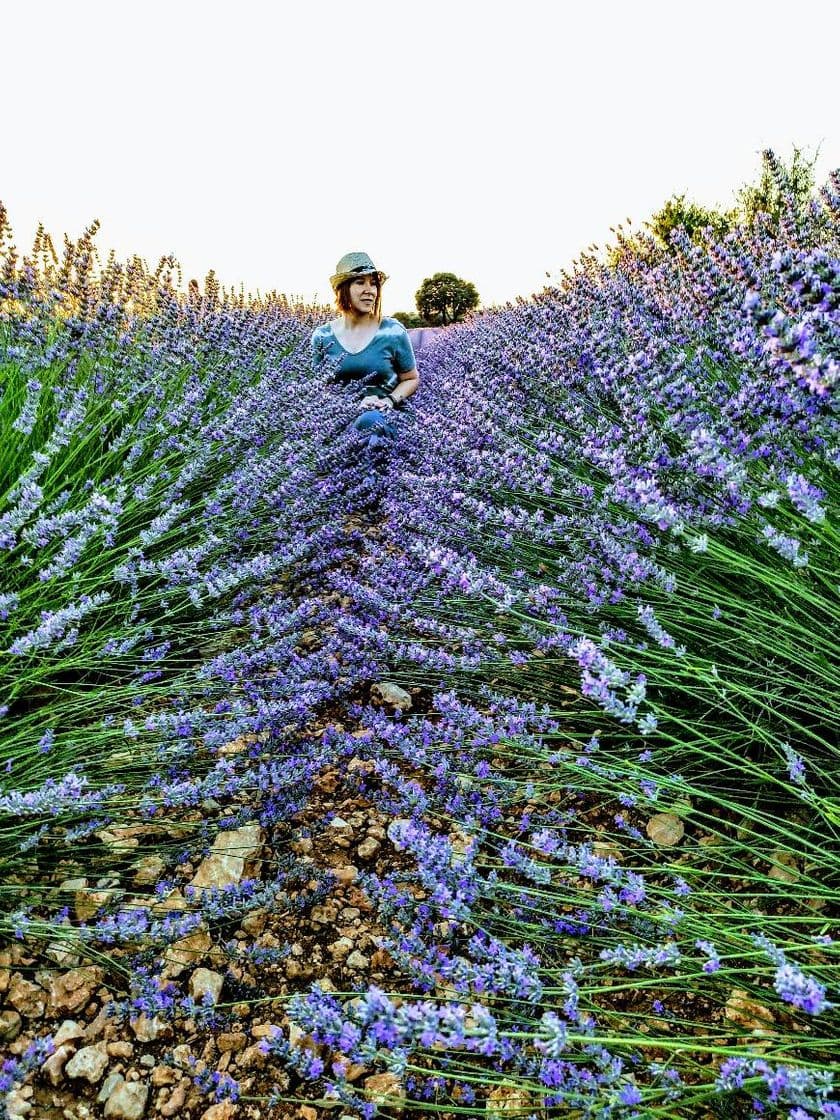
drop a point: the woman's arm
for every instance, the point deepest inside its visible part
(406, 385)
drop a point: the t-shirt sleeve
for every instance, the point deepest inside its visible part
(404, 358)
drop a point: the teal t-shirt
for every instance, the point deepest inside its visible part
(388, 354)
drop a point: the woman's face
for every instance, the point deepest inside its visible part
(363, 293)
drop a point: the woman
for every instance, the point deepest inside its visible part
(371, 350)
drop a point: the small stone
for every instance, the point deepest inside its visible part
(385, 1088)
(386, 692)
(89, 1063)
(163, 1075)
(784, 867)
(59, 953)
(225, 863)
(204, 982)
(254, 923)
(87, 903)
(251, 1056)
(187, 952)
(73, 990)
(108, 1086)
(747, 1012)
(346, 874)
(146, 1029)
(104, 1024)
(16, 1104)
(147, 1061)
(10, 1025)
(665, 829)
(127, 1102)
(27, 998)
(69, 1031)
(148, 870)
(368, 848)
(53, 1067)
(307, 1112)
(224, 1110)
(506, 1098)
(323, 915)
(340, 948)
(357, 961)
(231, 1040)
(120, 1049)
(177, 1097)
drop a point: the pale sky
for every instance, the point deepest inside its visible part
(493, 140)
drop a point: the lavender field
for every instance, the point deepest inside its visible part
(490, 773)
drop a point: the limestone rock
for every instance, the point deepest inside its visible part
(10, 1025)
(16, 1104)
(368, 848)
(72, 991)
(665, 829)
(89, 1063)
(255, 922)
(231, 1040)
(53, 1067)
(27, 998)
(340, 948)
(148, 870)
(510, 1099)
(225, 863)
(385, 1088)
(108, 1086)
(205, 982)
(187, 952)
(87, 903)
(61, 954)
(784, 867)
(69, 1031)
(357, 961)
(391, 694)
(224, 1110)
(122, 1048)
(146, 1029)
(127, 1102)
(175, 1102)
(748, 1013)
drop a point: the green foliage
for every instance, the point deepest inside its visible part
(780, 185)
(677, 213)
(445, 298)
(410, 319)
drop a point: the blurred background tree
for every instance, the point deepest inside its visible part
(445, 298)
(410, 319)
(677, 213)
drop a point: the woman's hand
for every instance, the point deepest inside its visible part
(384, 404)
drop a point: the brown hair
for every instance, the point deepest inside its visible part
(342, 296)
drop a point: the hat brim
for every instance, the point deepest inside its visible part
(340, 277)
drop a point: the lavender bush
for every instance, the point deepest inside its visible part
(604, 545)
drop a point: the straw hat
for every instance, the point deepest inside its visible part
(355, 264)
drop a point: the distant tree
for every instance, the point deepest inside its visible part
(689, 216)
(445, 298)
(780, 186)
(410, 319)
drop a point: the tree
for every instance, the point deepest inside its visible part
(689, 216)
(410, 319)
(445, 298)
